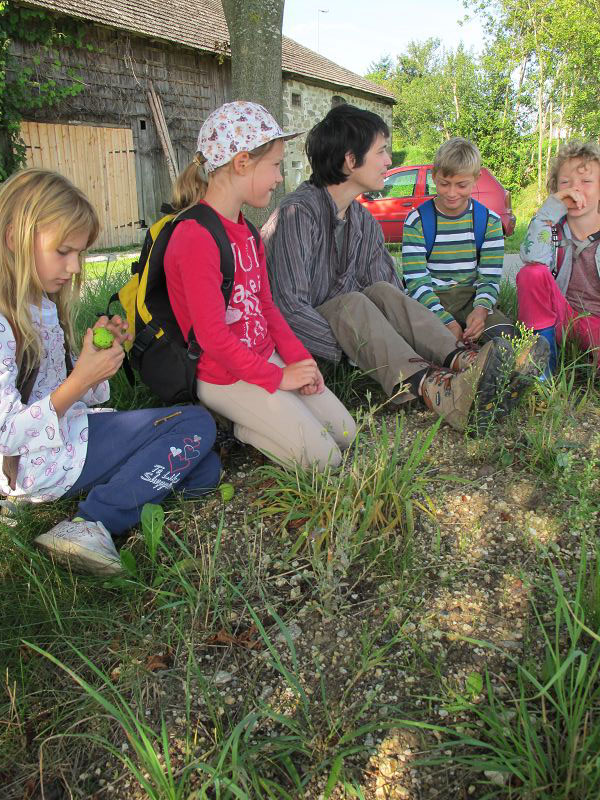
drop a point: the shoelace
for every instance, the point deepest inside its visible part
(441, 376)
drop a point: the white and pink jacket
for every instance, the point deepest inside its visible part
(52, 450)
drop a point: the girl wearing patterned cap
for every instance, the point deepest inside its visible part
(252, 370)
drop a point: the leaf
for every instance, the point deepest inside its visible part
(227, 491)
(474, 683)
(294, 524)
(246, 639)
(156, 662)
(153, 520)
(332, 780)
(128, 561)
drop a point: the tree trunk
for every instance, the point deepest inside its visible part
(550, 132)
(456, 106)
(540, 131)
(255, 40)
(520, 83)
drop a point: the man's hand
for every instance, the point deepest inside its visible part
(455, 330)
(475, 323)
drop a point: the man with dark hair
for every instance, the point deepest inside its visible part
(337, 285)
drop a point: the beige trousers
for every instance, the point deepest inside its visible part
(388, 334)
(286, 426)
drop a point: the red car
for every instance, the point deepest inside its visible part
(407, 187)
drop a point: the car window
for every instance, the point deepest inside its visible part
(429, 184)
(400, 184)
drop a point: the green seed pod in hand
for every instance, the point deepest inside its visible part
(102, 338)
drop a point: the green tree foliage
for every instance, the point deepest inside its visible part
(21, 89)
(536, 80)
(442, 93)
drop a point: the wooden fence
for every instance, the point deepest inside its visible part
(101, 162)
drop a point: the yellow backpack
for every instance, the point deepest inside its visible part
(164, 359)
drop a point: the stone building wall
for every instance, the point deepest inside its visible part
(304, 104)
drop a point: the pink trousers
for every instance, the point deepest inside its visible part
(542, 305)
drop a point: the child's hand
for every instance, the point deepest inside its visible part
(93, 365)
(455, 330)
(475, 324)
(572, 198)
(320, 384)
(299, 374)
(313, 388)
(116, 325)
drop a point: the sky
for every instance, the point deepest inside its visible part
(353, 37)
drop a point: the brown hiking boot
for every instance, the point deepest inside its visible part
(470, 397)
(464, 359)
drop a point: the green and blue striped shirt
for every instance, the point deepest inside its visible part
(453, 260)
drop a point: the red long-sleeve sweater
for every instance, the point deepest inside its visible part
(238, 341)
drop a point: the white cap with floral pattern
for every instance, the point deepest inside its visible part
(237, 127)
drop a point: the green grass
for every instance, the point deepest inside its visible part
(96, 270)
(278, 644)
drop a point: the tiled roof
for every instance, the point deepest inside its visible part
(201, 25)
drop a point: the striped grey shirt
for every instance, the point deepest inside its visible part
(306, 268)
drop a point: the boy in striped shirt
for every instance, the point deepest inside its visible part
(456, 282)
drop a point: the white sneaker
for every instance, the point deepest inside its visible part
(83, 544)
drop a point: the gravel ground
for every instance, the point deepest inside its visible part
(470, 574)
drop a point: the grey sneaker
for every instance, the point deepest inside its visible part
(83, 544)
(470, 398)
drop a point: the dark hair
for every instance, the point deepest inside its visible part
(345, 129)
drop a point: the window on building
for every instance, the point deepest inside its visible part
(296, 99)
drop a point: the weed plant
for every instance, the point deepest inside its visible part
(380, 484)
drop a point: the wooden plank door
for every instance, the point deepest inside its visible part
(101, 162)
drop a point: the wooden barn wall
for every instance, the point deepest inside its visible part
(116, 73)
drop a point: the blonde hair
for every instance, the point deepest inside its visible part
(190, 185)
(30, 200)
(457, 155)
(587, 151)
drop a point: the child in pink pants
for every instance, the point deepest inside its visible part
(558, 289)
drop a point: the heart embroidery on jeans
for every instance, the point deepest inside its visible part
(189, 451)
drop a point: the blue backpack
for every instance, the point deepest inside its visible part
(429, 222)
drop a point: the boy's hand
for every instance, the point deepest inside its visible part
(116, 325)
(572, 198)
(475, 323)
(455, 330)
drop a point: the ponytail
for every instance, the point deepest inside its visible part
(190, 186)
